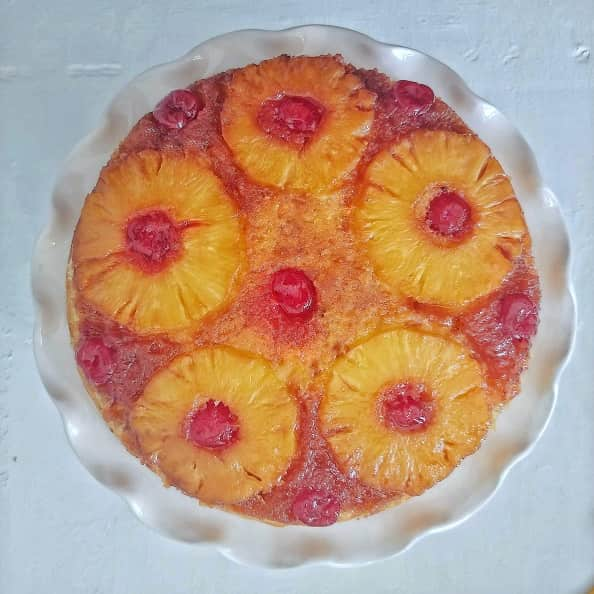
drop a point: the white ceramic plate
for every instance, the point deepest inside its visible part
(347, 543)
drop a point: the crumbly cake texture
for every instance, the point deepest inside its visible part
(300, 291)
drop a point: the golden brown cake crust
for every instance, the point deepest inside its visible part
(290, 227)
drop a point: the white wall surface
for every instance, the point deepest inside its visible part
(60, 63)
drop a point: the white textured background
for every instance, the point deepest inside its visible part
(60, 64)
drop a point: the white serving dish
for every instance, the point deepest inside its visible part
(348, 543)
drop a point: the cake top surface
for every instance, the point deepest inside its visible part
(339, 238)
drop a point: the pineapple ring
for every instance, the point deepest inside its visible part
(266, 413)
(193, 281)
(337, 144)
(411, 259)
(398, 461)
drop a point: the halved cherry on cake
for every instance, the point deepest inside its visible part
(316, 507)
(96, 359)
(413, 96)
(294, 292)
(152, 239)
(291, 118)
(177, 108)
(406, 406)
(518, 316)
(449, 214)
(212, 425)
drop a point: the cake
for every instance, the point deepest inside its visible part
(301, 291)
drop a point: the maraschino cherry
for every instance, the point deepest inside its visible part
(212, 426)
(316, 507)
(177, 108)
(294, 292)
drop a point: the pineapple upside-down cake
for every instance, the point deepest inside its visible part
(301, 291)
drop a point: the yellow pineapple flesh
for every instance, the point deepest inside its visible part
(399, 460)
(334, 148)
(264, 414)
(391, 219)
(158, 244)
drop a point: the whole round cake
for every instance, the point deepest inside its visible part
(301, 291)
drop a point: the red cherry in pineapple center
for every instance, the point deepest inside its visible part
(299, 113)
(96, 359)
(413, 97)
(212, 426)
(449, 214)
(177, 108)
(152, 236)
(518, 316)
(406, 407)
(316, 507)
(294, 292)
(290, 117)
